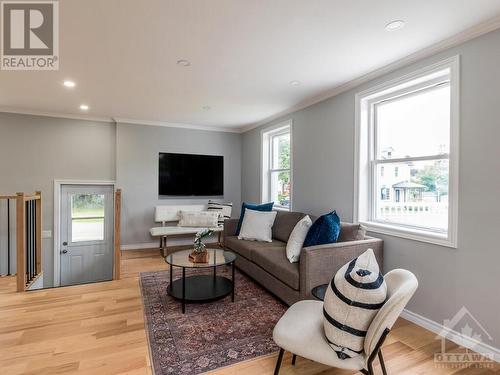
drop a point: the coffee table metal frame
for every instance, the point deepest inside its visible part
(201, 288)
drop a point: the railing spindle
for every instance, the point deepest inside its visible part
(27, 241)
(35, 239)
(8, 237)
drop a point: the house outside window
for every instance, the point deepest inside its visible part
(276, 165)
(407, 152)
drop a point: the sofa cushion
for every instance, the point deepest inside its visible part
(256, 207)
(274, 261)
(245, 248)
(325, 230)
(257, 226)
(284, 224)
(351, 232)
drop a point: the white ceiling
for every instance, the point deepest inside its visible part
(243, 53)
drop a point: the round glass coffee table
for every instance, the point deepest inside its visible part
(201, 288)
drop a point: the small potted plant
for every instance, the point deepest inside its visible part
(200, 253)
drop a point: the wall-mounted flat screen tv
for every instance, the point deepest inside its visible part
(191, 175)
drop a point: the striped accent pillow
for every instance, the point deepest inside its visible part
(224, 209)
(353, 298)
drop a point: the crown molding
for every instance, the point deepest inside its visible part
(22, 111)
(176, 125)
(462, 37)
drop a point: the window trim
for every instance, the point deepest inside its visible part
(364, 153)
(266, 159)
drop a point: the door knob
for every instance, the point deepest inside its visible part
(65, 243)
(64, 251)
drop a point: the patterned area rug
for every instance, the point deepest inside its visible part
(209, 335)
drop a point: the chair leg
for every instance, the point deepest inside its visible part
(294, 358)
(370, 368)
(382, 363)
(278, 363)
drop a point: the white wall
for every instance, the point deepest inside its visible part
(323, 136)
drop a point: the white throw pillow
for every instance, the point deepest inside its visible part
(204, 219)
(257, 225)
(352, 299)
(297, 237)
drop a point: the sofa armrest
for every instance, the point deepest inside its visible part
(318, 264)
(230, 226)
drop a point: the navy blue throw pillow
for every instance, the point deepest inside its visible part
(250, 206)
(324, 230)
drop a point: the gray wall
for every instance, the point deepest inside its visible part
(323, 165)
(34, 151)
(137, 170)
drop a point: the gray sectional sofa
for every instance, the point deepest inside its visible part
(267, 264)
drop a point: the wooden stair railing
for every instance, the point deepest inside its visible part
(28, 238)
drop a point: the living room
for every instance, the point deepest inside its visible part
(137, 143)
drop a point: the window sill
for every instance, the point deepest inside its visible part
(280, 208)
(410, 234)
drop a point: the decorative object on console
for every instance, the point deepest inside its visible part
(353, 298)
(224, 210)
(257, 226)
(266, 207)
(325, 229)
(204, 219)
(297, 237)
(200, 253)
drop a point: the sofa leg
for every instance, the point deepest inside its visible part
(294, 358)
(278, 363)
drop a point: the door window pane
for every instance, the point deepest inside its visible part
(414, 125)
(280, 188)
(87, 217)
(417, 196)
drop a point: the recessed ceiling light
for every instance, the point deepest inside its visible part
(84, 107)
(294, 83)
(395, 25)
(69, 83)
(206, 108)
(183, 62)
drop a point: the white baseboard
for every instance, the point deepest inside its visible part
(457, 337)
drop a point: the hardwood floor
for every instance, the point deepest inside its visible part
(99, 329)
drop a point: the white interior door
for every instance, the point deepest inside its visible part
(86, 234)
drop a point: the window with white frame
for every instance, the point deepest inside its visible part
(407, 150)
(276, 166)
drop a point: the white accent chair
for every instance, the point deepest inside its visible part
(169, 214)
(300, 330)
